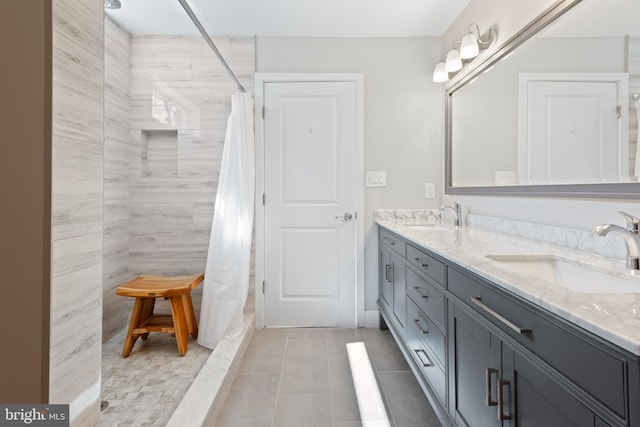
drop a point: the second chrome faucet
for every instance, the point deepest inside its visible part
(630, 236)
(457, 213)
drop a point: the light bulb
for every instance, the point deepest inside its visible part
(440, 74)
(453, 63)
(469, 46)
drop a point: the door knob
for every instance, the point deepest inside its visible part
(346, 217)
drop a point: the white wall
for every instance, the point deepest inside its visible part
(583, 214)
(402, 115)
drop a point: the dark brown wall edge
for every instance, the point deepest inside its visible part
(25, 189)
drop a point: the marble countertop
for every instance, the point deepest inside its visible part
(613, 316)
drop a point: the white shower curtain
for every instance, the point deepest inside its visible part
(226, 280)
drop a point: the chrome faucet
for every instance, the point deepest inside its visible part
(631, 241)
(457, 213)
(633, 223)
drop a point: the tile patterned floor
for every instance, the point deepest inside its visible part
(302, 378)
(145, 388)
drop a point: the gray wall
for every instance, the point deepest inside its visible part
(402, 115)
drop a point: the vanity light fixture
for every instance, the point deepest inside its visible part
(471, 43)
(470, 47)
(440, 74)
(454, 62)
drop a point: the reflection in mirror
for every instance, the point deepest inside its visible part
(559, 109)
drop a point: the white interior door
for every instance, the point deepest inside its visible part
(572, 131)
(310, 200)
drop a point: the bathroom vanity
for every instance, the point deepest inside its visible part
(492, 341)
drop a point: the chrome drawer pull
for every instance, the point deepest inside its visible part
(418, 327)
(478, 301)
(502, 416)
(428, 363)
(489, 372)
(387, 276)
(425, 265)
(417, 288)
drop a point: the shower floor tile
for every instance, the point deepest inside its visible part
(145, 388)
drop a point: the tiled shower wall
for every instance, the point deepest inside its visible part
(117, 154)
(161, 179)
(180, 102)
(77, 208)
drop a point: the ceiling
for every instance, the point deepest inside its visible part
(292, 18)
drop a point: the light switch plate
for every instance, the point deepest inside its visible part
(429, 190)
(376, 179)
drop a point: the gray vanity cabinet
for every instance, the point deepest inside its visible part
(487, 357)
(495, 385)
(393, 280)
(386, 284)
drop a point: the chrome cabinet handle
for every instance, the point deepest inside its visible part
(347, 216)
(489, 372)
(478, 301)
(502, 416)
(424, 364)
(417, 288)
(389, 273)
(424, 264)
(418, 327)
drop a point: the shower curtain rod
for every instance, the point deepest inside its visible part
(198, 25)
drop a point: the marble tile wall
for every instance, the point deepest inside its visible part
(77, 208)
(634, 87)
(180, 102)
(117, 159)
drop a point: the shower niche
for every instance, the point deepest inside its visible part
(159, 153)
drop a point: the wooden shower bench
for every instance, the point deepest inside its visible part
(182, 320)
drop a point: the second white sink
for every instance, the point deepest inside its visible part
(426, 227)
(570, 274)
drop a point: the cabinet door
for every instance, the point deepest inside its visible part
(531, 398)
(399, 289)
(386, 283)
(474, 369)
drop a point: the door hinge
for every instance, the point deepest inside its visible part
(619, 111)
(263, 111)
(263, 286)
(264, 199)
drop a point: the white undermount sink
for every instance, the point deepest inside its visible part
(425, 227)
(570, 274)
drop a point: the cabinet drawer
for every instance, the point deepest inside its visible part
(596, 369)
(424, 360)
(394, 242)
(426, 331)
(428, 298)
(427, 264)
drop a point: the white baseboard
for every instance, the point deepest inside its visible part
(371, 319)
